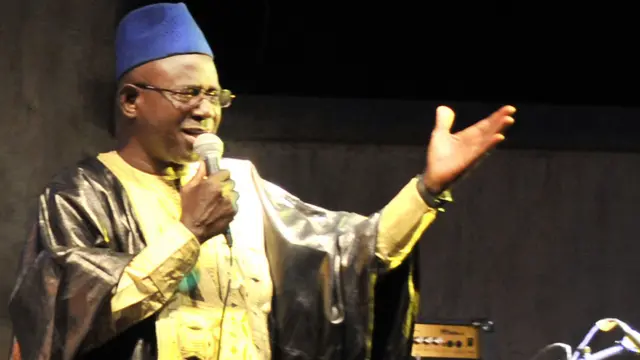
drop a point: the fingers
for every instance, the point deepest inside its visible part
(225, 187)
(495, 123)
(201, 174)
(220, 176)
(233, 196)
(493, 142)
(444, 119)
(223, 222)
(222, 182)
(506, 110)
(501, 119)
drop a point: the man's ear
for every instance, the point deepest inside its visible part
(127, 100)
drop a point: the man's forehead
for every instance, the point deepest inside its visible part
(191, 69)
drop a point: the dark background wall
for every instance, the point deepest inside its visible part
(541, 238)
(56, 70)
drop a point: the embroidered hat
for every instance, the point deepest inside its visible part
(157, 31)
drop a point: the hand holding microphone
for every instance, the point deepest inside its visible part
(209, 201)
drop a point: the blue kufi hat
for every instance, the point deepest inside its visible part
(157, 31)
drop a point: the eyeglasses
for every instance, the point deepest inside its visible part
(193, 96)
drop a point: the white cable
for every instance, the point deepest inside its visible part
(563, 346)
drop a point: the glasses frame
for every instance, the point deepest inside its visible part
(194, 96)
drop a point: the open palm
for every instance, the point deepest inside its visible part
(451, 155)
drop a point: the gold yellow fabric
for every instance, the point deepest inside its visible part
(172, 251)
(402, 223)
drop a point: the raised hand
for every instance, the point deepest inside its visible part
(450, 155)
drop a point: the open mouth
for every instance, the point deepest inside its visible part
(194, 131)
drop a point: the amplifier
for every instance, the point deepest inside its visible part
(451, 340)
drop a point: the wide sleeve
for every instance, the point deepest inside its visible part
(86, 275)
(151, 279)
(324, 265)
(66, 278)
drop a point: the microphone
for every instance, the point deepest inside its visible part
(210, 148)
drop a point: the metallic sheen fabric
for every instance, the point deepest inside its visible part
(323, 269)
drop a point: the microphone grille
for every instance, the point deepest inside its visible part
(208, 144)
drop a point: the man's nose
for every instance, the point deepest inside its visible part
(204, 110)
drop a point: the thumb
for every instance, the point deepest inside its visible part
(444, 119)
(199, 176)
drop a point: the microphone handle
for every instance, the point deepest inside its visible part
(212, 163)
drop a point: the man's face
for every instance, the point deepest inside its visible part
(168, 108)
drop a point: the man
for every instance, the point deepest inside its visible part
(129, 260)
